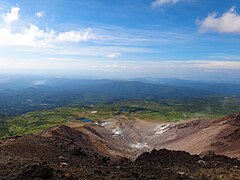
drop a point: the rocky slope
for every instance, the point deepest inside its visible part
(119, 137)
(113, 149)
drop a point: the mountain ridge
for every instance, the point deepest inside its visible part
(82, 152)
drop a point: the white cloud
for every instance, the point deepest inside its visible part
(40, 14)
(34, 36)
(216, 64)
(68, 66)
(229, 22)
(11, 16)
(114, 66)
(113, 55)
(29, 36)
(158, 3)
(75, 36)
(104, 39)
(226, 57)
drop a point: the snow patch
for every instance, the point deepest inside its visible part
(117, 131)
(162, 128)
(102, 123)
(139, 146)
(105, 123)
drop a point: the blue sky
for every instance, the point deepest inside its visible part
(190, 39)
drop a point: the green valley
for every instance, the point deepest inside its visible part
(162, 110)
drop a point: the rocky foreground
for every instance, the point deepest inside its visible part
(82, 153)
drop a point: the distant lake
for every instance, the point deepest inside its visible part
(85, 120)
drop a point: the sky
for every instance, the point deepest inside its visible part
(187, 39)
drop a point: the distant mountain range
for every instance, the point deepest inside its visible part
(224, 88)
(24, 95)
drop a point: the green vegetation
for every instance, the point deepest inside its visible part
(162, 110)
(173, 110)
(37, 121)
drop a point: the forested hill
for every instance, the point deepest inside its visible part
(19, 97)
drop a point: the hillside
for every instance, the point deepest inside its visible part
(53, 93)
(162, 111)
(89, 151)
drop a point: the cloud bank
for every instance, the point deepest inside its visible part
(32, 35)
(229, 22)
(120, 69)
(11, 16)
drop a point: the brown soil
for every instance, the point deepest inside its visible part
(119, 137)
(112, 149)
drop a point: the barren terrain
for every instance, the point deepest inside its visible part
(119, 149)
(119, 137)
